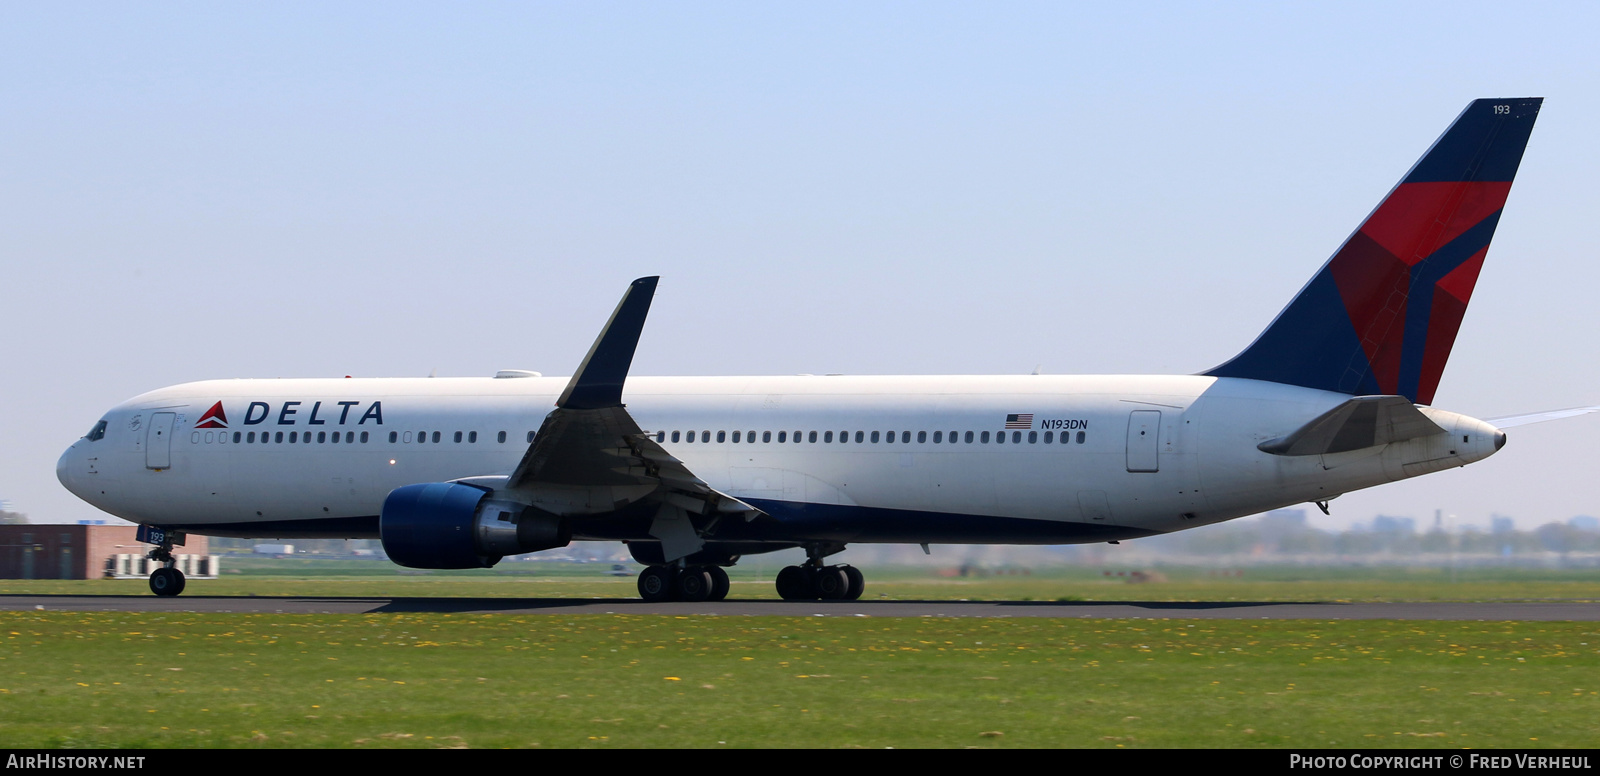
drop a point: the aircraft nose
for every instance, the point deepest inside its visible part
(64, 469)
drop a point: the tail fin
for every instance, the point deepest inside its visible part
(1381, 315)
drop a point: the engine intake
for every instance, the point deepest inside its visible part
(447, 525)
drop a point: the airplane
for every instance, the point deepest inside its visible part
(692, 473)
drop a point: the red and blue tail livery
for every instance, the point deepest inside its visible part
(1381, 316)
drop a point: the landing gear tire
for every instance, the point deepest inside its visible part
(694, 584)
(719, 583)
(858, 583)
(794, 584)
(831, 583)
(167, 582)
(656, 584)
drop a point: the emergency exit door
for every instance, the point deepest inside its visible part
(1144, 432)
(158, 443)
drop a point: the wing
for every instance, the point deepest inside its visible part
(593, 452)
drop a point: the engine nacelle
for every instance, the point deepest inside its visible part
(447, 525)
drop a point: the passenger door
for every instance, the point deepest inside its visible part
(1144, 440)
(158, 442)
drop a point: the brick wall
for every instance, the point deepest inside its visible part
(42, 551)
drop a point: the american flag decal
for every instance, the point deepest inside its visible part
(1024, 420)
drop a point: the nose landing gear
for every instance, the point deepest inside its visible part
(166, 581)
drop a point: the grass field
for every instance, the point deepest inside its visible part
(150, 680)
(434, 680)
(560, 580)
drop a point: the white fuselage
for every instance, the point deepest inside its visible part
(1139, 454)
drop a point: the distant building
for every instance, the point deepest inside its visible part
(1500, 524)
(1585, 523)
(1393, 525)
(83, 551)
(1286, 518)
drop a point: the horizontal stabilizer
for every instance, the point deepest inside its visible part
(1365, 421)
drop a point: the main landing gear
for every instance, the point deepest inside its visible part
(166, 581)
(690, 583)
(813, 580)
(828, 583)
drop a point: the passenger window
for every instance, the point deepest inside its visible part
(999, 438)
(782, 436)
(408, 437)
(278, 438)
(796, 437)
(736, 437)
(874, 437)
(661, 436)
(811, 437)
(937, 437)
(722, 436)
(322, 436)
(294, 437)
(905, 437)
(530, 437)
(750, 437)
(1080, 437)
(501, 438)
(705, 436)
(858, 437)
(472, 437)
(394, 437)
(422, 437)
(436, 437)
(1016, 437)
(363, 437)
(1033, 437)
(1047, 436)
(985, 437)
(922, 437)
(674, 436)
(349, 436)
(827, 437)
(236, 437)
(333, 437)
(889, 437)
(969, 437)
(458, 437)
(766, 436)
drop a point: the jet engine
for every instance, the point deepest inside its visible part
(448, 525)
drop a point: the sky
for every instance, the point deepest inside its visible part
(204, 190)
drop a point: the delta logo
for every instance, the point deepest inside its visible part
(291, 413)
(214, 418)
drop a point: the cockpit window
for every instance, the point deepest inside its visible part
(98, 432)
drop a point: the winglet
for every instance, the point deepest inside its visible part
(598, 382)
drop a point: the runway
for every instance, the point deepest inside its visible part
(1542, 611)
